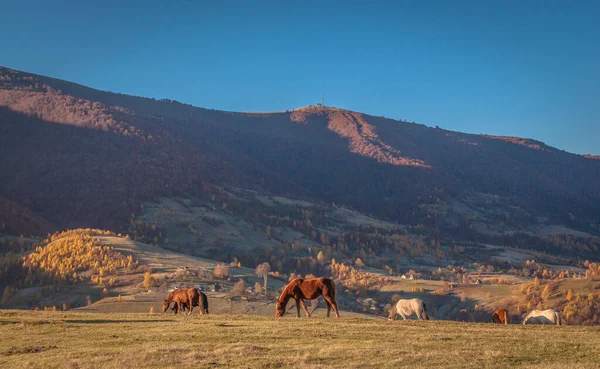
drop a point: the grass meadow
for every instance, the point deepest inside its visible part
(91, 340)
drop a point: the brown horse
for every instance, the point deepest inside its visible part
(307, 289)
(189, 297)
(500, 316)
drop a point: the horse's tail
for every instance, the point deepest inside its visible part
(426, 317)
(204, 302)
(332, 290)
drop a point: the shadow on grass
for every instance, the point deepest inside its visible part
(109, 321)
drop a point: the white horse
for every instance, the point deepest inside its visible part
(542, 317)
(409, 307)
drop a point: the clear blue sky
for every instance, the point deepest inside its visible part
(520, 68)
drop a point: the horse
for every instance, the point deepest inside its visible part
(409, 307)
(202, 304)
(307, 289)
(500, 316)
(180, 296)
(549, 316)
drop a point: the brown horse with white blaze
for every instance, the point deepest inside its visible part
(307, 289)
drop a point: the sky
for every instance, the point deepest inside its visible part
(518, 68)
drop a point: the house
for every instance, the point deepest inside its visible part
(478, 281)
(175, 286)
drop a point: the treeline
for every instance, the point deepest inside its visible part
(67, 253)
(62, 259)
(552, 244)
(575, 308)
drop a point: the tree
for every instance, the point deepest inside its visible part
(239, 288)
(262, 270)
(257, 288)
(546, 292)
(221, 271)
(321, 256)
(104, 293)
(149, 280)
(359, 263)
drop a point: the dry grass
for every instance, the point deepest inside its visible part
(81, 340)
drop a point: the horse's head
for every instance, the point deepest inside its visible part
(166, 304)
(393, 313)
(279, 309)
(496, 318)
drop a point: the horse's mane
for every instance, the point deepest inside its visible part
(284, 292)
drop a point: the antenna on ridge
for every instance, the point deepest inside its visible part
(323, 99)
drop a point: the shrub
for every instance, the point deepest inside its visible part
(396, 297)
(221, 271)
(149, 280)
(239, 288)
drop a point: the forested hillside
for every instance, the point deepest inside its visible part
(76, 156)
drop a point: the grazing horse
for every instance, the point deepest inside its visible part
(307, 289)
(500, 316)
(409, 307)
(189, 297)
(549, 316)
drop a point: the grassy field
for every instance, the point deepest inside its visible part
(82, 340)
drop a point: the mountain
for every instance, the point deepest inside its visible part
(79, 157)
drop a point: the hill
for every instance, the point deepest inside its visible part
(81, 266)
(312, 191)
(73, 145)
(99, 271)
(157, 341)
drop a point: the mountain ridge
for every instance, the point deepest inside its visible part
(76, 89)
(394, 169)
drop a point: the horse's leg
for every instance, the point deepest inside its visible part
(298, 308)
(328, 307)
(333, 304)
(304, 307)
(403, 316)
